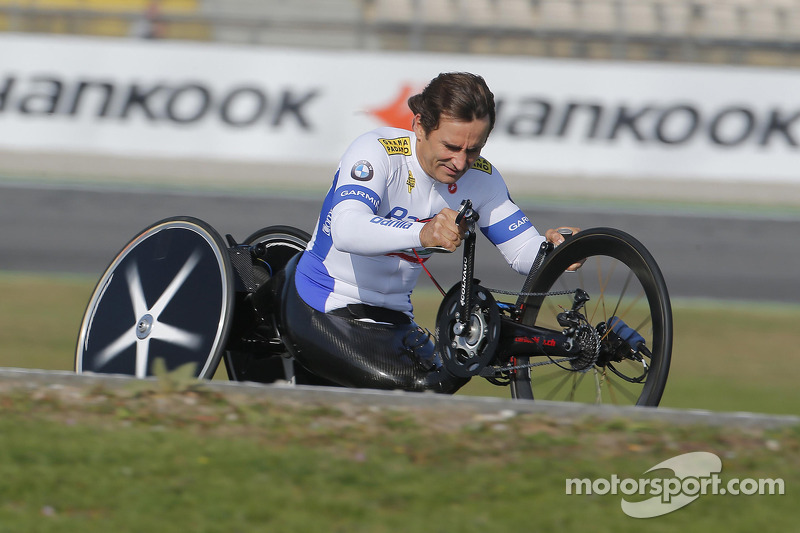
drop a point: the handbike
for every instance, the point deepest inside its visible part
(179, 292)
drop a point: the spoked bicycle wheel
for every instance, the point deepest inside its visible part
(251, 356)
(629, 341)
(167, 295)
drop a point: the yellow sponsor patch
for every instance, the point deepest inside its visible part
(398, 146)
(411, 182)
(482, 165)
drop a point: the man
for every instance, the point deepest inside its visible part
(396, 193)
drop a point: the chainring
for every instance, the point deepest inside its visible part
(468, 353)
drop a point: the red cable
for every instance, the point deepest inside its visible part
(421, 262)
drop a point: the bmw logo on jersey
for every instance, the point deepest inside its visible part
(362, 171)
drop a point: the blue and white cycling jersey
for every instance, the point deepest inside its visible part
(361, 248)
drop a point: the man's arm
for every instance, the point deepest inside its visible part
(356, 227)
(356, 230)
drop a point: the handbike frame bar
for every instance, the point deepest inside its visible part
(519, 339)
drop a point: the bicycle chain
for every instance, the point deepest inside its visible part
(515, 293)
(532, 365)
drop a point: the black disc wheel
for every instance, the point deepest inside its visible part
(257, 352)
(628, 327)
(168, 294)
(279, 244)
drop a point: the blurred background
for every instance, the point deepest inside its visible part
(752, 32)
(677, 90)
(674, 120)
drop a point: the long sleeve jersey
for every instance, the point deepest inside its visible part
(362, 249)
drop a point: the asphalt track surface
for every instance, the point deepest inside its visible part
(723, 255)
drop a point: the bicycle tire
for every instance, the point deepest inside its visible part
(281, 243)
(168, 294)
(292, 239)
(600, 248)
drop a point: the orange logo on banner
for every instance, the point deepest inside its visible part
(396, 113)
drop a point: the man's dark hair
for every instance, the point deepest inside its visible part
(457, 95)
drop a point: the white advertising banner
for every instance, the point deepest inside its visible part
(253, 104)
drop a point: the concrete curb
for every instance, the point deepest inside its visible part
(325, 395)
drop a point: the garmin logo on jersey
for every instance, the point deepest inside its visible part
(398, 146)
(360, 194)
(514, 226)
(391, 223)
(508, 228)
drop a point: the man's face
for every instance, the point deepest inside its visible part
(447, 152)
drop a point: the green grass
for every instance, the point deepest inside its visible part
(726, 357)
(191, 460)
(40, 318)
(166, 457)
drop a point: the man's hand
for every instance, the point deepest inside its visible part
(552, 235)
(442, 231)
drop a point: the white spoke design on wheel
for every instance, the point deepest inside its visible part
(173, 335)
(136, 291)
(142, 356)
(124, 341)
(175, 285)
(147, 325)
